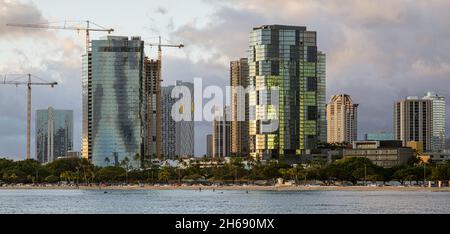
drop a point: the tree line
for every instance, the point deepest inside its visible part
(351, 170)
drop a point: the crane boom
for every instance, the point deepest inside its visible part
(87, 29)
(28, 83)
(38, 26)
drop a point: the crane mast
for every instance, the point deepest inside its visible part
(28, 83)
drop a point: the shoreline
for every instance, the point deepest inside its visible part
(244, 188)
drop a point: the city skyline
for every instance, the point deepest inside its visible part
(419, 70)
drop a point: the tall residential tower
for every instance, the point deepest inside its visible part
(438, 121)
(114, 100)
(54, 134)
(285, 59)
(342, 119)
(413, 121)
(177, 136)
(239, 107)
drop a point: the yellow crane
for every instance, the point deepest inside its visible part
(158, 91)
(28, 83)
(87, 29)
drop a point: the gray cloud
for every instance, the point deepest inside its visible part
(18, 12)
(377, 51)
(161, 10)
(66, 95)
(53, 58)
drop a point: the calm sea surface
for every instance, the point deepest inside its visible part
(228, 201)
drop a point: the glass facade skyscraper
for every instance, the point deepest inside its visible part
(114, 100)
(177, 136)
(285, 58)
(168, 124)
(438, 121)
(54, 134)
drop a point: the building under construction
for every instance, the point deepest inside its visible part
(152, 85)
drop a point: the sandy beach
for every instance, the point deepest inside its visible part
(246, 188)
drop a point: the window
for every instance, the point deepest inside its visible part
(312, 112)
(311, 84)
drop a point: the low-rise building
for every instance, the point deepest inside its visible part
(381, 153)
(435, 157)
(379, 136)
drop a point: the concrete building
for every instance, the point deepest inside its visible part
(114, 101)
(239, 107)
(413, 121)
(342, 119)
(435, 157)
(379, 136)
(381, 153)
(54, 134)
(221, 134)
(285, 59)
(438, 113)
(177, 136)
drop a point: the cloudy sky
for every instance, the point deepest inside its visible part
(378, 51)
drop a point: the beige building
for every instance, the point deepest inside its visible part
(341, 119)
(413, 121)
(239, 108)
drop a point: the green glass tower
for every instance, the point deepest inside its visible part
(114, 101)
(285, 59)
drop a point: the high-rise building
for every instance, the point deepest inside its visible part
(413, 121)
(438, 121)
(285, 58)
(184, 130)
(221, 134)
(168, 123)
(153, 113)
(209, 146)
(54, 134)
(342, 115)
(321, 97)
(239, 107)
(114, 101)
(177, 136)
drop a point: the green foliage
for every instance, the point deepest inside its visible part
(345, 170)
(61, 165)
(111, 174)
(52, 179)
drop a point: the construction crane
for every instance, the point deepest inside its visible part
(87, 29)
(158, 90)
(28, 83)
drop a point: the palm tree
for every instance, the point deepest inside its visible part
(126, 165)
(137, 158)
(107, 161)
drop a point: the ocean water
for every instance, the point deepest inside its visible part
(221, 201)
